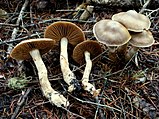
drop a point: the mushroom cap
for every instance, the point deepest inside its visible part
(142, 39)
(132, 20)
(60, 29)
(111, 33)
(93, 47)
(21, 50)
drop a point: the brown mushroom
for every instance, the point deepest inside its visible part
(132, 20)
(34, 48)
(139, 40)
(66, 32)
(84, 52)
(112, 34)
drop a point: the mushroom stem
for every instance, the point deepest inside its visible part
(121, 52)
(131, 53)
(86, 85)
(68, 75)
(112, 53)
(88, 67)
(53, 96)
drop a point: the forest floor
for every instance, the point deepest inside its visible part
(128, 90)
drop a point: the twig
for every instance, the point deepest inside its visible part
(20, 104)
(93, 103)
(6, 24)
(42, 103)
(13, 14)
(98, 109)
(144, 6)
(68, 10)
(72, 113)
(18, 39)
(31, 15)
(71, 20)
(156, 10)
(127, 64)
(122, 107)
(51, 20)
(131, 106)
(98, 101)
(15, 30)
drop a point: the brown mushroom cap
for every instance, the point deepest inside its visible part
(142, 39)
(21, 50)
(93, 47)
(58, 30)
(132, 20)
(111, 33)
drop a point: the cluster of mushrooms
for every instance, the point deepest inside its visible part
(125, 28)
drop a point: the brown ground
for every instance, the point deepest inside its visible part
(116, 80)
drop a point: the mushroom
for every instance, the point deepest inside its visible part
(66, 32)
(34, 48)
(112, 34)
(132, 20)
(84, 52)
(139, 40)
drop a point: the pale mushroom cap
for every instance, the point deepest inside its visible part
(111, 33)
(132, 20)
(93, 47)
(142, 39)
(21, 50)
(71, 31)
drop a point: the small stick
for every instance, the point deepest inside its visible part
(18, 39)
(6, 24)
(144, 6)
(68, 10)
(93, 103)
(73, 113)
(15, 30)
(98, 109)
(71, 20)
(20, 104)
(51, 20)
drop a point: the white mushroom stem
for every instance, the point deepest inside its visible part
(53, 96)
(86, 85)
(68, 75)
(131, 53)
(88, 67)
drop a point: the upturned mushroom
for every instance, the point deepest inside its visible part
(33, 49)
(139, 40)
(66, 32)
(132, 20)
(84, 52)
(112, 34)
